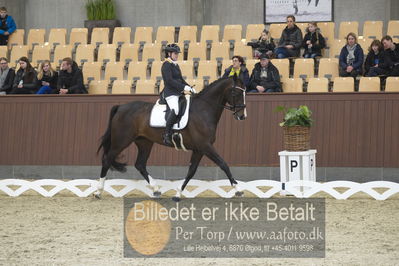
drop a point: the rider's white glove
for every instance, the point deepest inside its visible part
(189, 89)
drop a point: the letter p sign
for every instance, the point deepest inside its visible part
(293, 164)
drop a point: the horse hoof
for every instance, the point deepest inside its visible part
(176, 199)
(239, 193)
(157, 194)
(97, 196)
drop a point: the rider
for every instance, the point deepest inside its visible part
(174, 87)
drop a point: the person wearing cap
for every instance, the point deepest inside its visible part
(174, 87)
(265, 76)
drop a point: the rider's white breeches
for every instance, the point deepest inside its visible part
(173, 103)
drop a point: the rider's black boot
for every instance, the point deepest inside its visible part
(170, 121)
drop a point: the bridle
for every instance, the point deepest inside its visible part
(235, 108)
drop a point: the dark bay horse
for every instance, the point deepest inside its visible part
(131, 123)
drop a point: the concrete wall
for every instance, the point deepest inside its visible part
(71, 13)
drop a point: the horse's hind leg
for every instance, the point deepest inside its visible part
(144, 147)
(217, 159)
(196, 157)
(104, 170)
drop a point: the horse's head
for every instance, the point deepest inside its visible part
(236, 99)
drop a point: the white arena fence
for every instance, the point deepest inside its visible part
(300, 189)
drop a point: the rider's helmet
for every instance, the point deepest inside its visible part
(172, 48)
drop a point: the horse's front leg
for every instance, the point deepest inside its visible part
(143, 153)
(211, 153)
(196, 157)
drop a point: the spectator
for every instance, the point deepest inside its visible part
(70, 79)
(351, 57)
(238, 67)
(6, 76)
(391, 56)
(47, 78)
(7, 26)
(374, 58)
(313, 41)
(25, 81)
(290, 41)
(265, 44)
(265, 77)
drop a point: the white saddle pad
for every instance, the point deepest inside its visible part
(157, 118)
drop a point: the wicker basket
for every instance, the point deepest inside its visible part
(297, 138)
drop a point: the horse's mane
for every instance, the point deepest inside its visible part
(210, 86)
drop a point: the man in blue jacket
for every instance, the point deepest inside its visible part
(7, 26)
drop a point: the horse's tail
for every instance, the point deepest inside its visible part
(106, 145)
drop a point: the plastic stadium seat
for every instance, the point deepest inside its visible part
(220, 51)
(253, 31)
(39, 54)
(372, 29)
(121, 35)
(187, 69)
(156, 70)
(35, 37)
(122, 87)
(346, 27)
(114, 70)
(276, 30)
(318, 85)
(329, 68)
(303, 27)
(365, 44)
(98, 87)
(100, 36)
(91, 71)
(107, 53)
(129, 52)
(165, 34)
(57, 37)
(327, 29)
(60, 52)
(392, 84)
(145, 87)
(250, 64)
(292, 85)
(3, 51)
(197, 83)
(151, 51)
(232, 33)
(243, 50)
(210, 33)
(336, 47)
(304, 68)
(393, 29)
(343, 84)
(17, 52)
(188, 34)
(207, 70)
(17, 38)
(283, 66)
(78, 36)
(197, 51)
(369, 84)
(84, 53)
(137, 70)
(143, 35)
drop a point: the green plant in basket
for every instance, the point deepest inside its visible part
(100, 9)
(300, 116)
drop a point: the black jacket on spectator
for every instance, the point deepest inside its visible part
(391, 59)
(371, 60)
(9, 82)
(73, 81)
(29, 80)
(263, 46)
(244, 74)
(293, 37)
(317, 40)
(50, 79)
(271, 82)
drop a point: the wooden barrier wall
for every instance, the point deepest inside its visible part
(350, 130)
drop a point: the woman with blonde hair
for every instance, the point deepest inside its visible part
(46, 78)
(351, 57)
